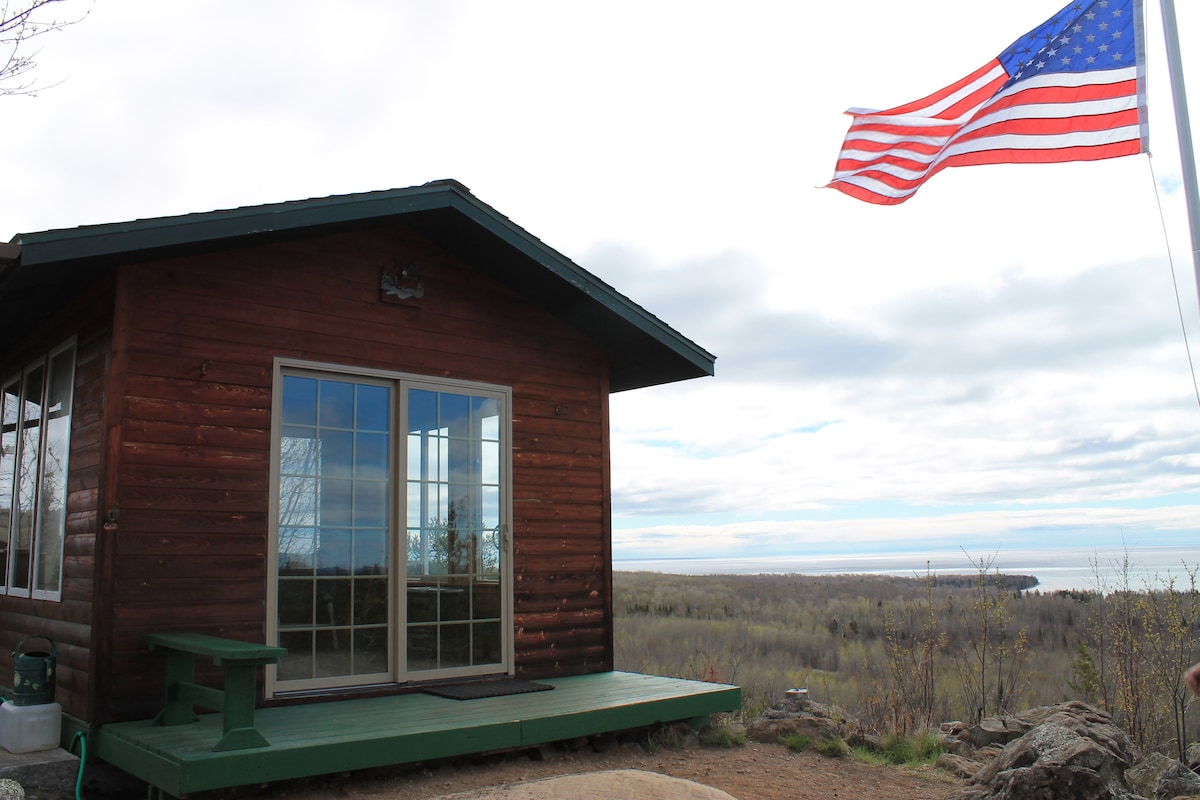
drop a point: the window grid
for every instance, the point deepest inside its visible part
(333, 553)
(35, 443)
(442, 609)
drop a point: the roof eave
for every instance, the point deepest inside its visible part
(662, 355)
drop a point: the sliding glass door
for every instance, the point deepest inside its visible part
(389, 557)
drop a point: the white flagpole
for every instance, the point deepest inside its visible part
(1183, 128)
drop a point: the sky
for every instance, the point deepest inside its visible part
(997, 365)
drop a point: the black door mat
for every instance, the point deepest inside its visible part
(473, 690)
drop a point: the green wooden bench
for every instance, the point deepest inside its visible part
(240, 662)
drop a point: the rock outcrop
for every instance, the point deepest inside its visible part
(1069, 751)
(798, 715)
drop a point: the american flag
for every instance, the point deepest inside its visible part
(1071, 89)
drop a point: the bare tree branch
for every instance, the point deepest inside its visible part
(21, 22)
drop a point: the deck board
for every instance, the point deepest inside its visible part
(322, 738)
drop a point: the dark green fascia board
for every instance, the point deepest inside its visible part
(100, 242)
(213, 227)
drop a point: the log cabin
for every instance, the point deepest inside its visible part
(371, 430)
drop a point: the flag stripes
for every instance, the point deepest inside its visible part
(1068, 102)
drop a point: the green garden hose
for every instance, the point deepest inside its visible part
(81, 737)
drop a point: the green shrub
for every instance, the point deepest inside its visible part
(869, 755)
(797, 742)
(721, 736)
(834, 748)
(921, 748)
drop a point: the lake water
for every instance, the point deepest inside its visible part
(1055, 568)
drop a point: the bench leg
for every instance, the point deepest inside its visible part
(181, 669)
(240, 692)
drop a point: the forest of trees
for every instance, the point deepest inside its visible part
(904, 654)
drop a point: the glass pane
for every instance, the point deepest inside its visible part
(27, 476)
(422, 411)
(373, 409)
(415, 451)
(455, 646)
(439, 458)
(485, 414)
(486, 644)
(422, 602)
(334, 551)
(371, 456)
(489, 552)
(370, 651)
(422, 647)
(490, 513)
(490, 463)
(370, 552)
(298, 496)
(436, 545)
(299, 451)
(416, 551)
(454, 517)
(53, 489)
(336, 502)
(298, 664)
(371, 601)
(299, 401)
(454, 414)
(331, 653)
(455, 602)
(337, 454)
(333, 602)
(486, 600)
(416, 512)
(297, 547)
(334, 520)
(370, 504)
(8, 469)
(336, 404)
(295, 602)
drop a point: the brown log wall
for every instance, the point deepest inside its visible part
(69, 622)
(197, 336)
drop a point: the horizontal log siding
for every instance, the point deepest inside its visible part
(69, 622)
(195, 455)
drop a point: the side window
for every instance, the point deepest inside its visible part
(35, 443)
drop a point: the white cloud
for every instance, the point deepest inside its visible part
(1002, 345)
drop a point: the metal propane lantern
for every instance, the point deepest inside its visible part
(33, 674)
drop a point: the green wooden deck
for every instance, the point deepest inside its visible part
(323, 738)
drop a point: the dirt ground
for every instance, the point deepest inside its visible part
(752, 772)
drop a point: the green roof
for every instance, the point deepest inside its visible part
(643, 350)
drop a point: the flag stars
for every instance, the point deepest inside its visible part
(1072, 43)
